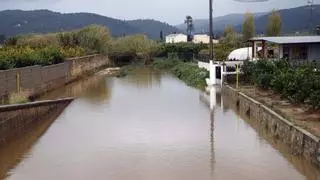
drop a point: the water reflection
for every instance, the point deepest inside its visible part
(144, 78)
(95, 89)
(215, 99)
(155, 127)
(17, 149)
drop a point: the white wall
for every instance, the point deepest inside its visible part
(176, 38)
(203, 38)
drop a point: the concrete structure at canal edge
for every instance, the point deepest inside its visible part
(300, 141)
(36, 80)
(17, 119)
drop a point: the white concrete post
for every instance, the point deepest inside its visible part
(255, 55)
(222, 73)
(213, 97)
(280, 51)
(212, 73)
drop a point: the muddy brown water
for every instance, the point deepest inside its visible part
(150, 126)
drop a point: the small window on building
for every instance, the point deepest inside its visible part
(303, 53)
(286, 52)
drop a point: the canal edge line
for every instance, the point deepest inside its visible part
(300, 141)
(17, 119)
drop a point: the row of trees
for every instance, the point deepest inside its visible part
(273, 26)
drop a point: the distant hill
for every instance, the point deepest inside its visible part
(219, 23)
(293, 20)
(14, 22)
(152, 27)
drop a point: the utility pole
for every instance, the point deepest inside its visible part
(211, 30)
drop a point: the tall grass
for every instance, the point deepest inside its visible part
(133, 47)
(188, 72)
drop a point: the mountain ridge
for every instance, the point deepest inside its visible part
(16, 22)
(293, 20)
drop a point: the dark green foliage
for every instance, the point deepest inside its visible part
(12, 41)
(165, 64)
(190, 73)
(2, 38)
(185, 51)
(161, 36)
(299, 84)
(315, 99)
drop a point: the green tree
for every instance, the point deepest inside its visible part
(2, 38)
(318, 30)
(228, 31)
(190, 27)
(228, 42)
(274, 24)
(161, 35)
(249, 29)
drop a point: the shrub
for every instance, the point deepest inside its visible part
(297, 83)
(69, 39)
(164, 64)
(38, 40)
(185, 51)
(93, 39)
(70, 52)
(132, 47)
(12, 41)
(16, 57)
(315, 99)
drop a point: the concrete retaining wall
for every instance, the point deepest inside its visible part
(300, 141)
(81, 65)
(16, 119)
(35, 80)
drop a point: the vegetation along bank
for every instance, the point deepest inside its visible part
(188, 72)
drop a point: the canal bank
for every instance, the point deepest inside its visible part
(300, 141)
(20, 134)
(18, 85)
(15, 120)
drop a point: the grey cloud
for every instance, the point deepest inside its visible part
(172, 11)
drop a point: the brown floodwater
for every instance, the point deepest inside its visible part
(151, 126)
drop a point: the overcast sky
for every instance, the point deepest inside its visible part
(171, 11)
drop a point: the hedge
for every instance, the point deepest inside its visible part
(299, 84)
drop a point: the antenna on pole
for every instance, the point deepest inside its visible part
(211, 30)
(310, 4)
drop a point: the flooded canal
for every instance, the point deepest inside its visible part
(150, 126)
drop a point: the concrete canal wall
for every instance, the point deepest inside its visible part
(17, 119)
(35, 80)
(300, 141)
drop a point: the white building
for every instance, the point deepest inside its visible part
(176, 38)
(203, 38)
